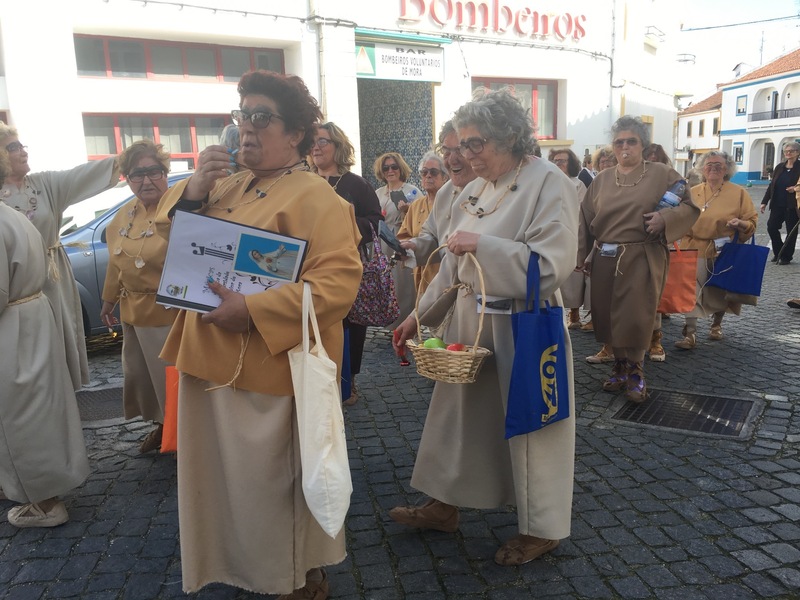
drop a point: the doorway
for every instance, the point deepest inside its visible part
(769, 160)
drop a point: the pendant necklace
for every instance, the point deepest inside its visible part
(710, 200)
(259, 194)
(31, 194)
(125, 232)
(616, 176)
(471, 201)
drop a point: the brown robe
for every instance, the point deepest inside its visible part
(626, 288)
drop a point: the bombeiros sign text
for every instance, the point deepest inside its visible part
(498, 16)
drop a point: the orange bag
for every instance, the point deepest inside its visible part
(680, 295)
(169, 437)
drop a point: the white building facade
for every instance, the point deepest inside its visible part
(699, 129)
(389, 72)
(760, 113)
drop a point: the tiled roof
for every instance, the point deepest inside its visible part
(710, 103)
(783, 64)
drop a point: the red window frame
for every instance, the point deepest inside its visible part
(488, 81)
(148, 61)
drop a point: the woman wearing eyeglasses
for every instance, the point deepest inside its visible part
(333, 155)
(725, 209)
(518, 204)
(43, 197)
(396, 198)
(135, 261)
(433, 174)
(631, 258)
(242, 513)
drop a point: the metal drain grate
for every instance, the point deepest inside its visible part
(100, 405)
(690, 412)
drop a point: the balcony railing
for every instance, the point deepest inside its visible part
(784, 113)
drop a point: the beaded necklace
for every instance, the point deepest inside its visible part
(259, 194)
(616, 176)
(30, 193)
(710, 200)
(125, 232)
(473, 200)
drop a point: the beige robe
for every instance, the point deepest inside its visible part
(415, 218)
(54, 192)
(733, 201)
(463, 458)
(42, 450)
(626, 288)
(145, 324)
(403, 277)
(577, 289)
(243, 519)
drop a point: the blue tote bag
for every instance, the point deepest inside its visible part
(739, 268)
(539, 391)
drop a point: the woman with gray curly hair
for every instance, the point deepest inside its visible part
(433, 175)
(518, 204)
(629, 267)
(725, 209)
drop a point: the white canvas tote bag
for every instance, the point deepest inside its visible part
(323, 448)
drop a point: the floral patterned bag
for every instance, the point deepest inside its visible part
(376, 302)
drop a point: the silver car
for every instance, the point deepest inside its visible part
(87, 250)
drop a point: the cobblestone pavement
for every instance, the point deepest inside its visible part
(657, 513)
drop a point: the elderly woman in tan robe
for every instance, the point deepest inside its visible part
(243, 518)
(725, 209)
(630, 263)
(518, 204)
(42, 451)
(42, 198)
(135, 261)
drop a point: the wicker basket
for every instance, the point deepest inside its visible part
(450, 366)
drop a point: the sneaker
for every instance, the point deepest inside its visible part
(604, 356)
(31, 515)
(312, 590)
(430, 515)
(523, 549)
(152, 441)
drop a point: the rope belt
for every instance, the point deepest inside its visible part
(624, 245)
(25, 299)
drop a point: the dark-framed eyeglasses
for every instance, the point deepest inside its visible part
(432, 172)
(15, 147)
(447, 151)
(629, 141)
(152, 173)
(391, 167)
(260, 119)
(473, 144)
(323, 143)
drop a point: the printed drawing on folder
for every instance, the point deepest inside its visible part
(242, 258)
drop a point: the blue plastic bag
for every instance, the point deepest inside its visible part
(739, 268)
(538, 394)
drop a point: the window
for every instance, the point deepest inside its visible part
(539, 97)
(741, 105)
(701, 127)
(183, 136)
(715, 126)
(118, 57)
(689, 129)
(738, 152)
(127, 58)
(91, 57)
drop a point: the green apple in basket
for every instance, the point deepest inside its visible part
(434, 342)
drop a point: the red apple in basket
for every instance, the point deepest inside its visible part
(456, 347)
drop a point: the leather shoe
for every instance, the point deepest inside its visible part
(312, 590)
(523, 549)
(793, 303)
(32, 515)
(784, 261)
(431, 515)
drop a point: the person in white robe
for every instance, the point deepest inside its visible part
(519, 204)
(42, 450)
